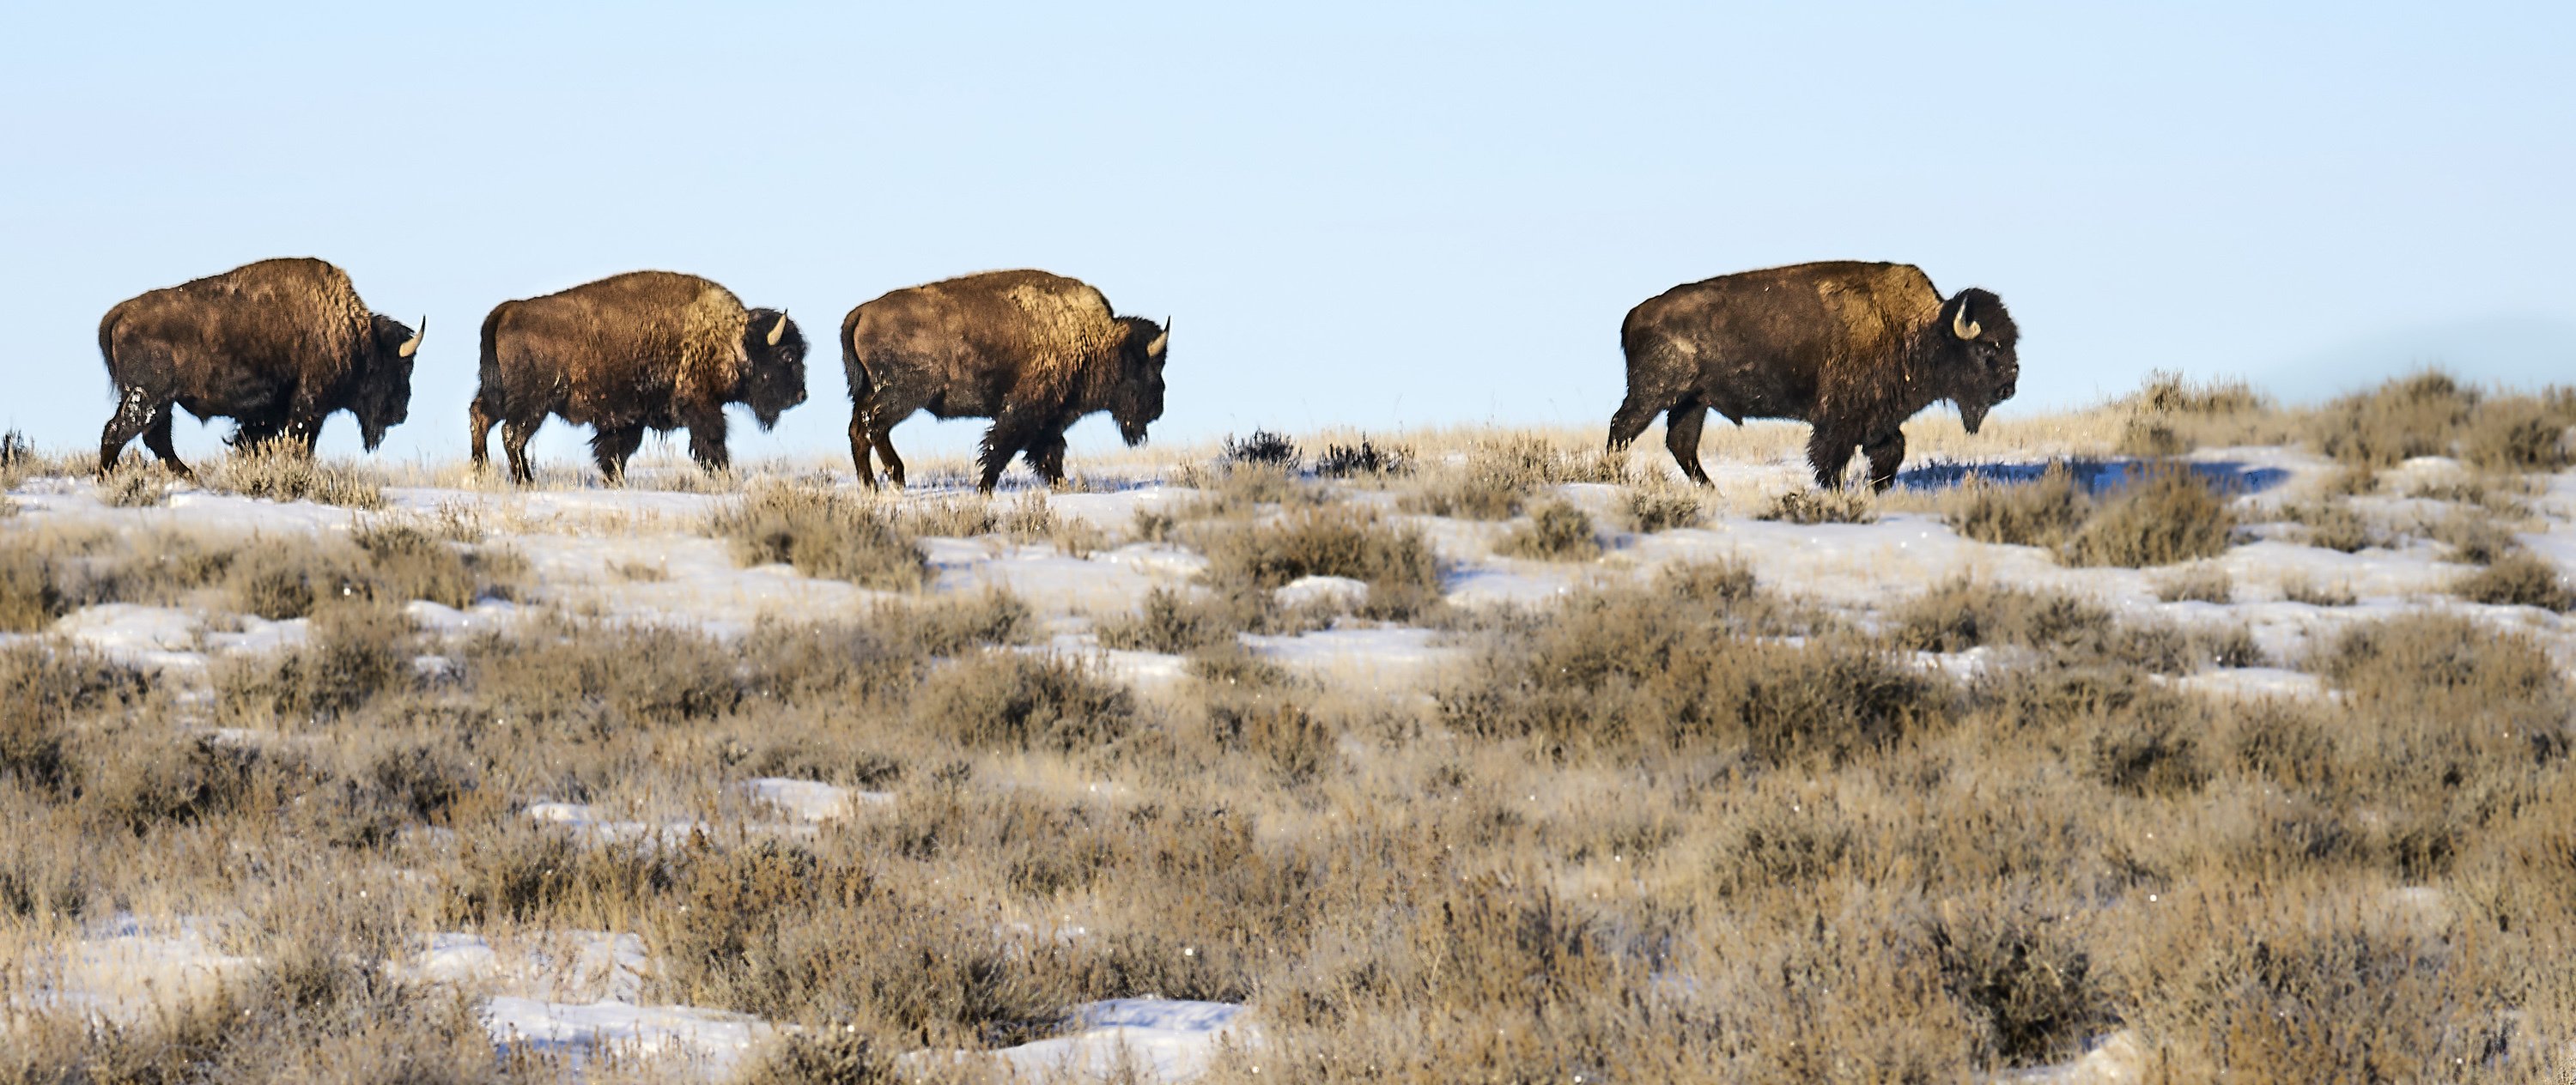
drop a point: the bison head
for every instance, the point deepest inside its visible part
(1978, 341)
(1138, 399)
(382, 396)
(774, 379)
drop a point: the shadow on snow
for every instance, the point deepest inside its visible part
(2096, 476)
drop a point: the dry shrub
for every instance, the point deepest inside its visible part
(1263, 448)
(963, 517)
(1651, 666)
(1465, 497)
(2199, 583)
(2301, 588)
(823, 533)
(2431, 414)
(42, 688)
(1278, 732)
(30, 598)
(134, 484)
(290, 576)
(2028, 978)
(1176, 622)
(2046, 512)
(587, 676)
(1396, 562)
(281, 470)
(1500, 474)
(1363, 460)
(1822, 507)
(1652, 508)
(2170, 515)
(1022, 700)
(2170, 415)
(2335, 526)
(354, 651)
(2475, 537)
(1964, 613)
(2520, 579)
(1557, 531)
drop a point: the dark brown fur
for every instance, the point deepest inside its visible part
(276, 346)
(644, 350)
(1853, 349)
(1034, 352)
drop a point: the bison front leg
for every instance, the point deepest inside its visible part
(1886, 454)
(1632, 418)
(707, 442)
(1829, 451)
(135, 409)
(1047, 459)
(1681, 437)
(611, 447)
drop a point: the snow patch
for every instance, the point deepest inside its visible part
(810, 800)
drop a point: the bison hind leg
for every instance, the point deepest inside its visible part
(1046, 457)
(156, 437)
(480, 418)
(135, 411)
(1681, 438)
(1632, 418)
(514, 444)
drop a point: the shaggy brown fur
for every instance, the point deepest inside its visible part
(276, 346)
(644, 350)
(1852, 348)
(1032, 351)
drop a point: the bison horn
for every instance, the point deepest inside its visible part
(412, 345)
(779, 330)
(1161, 342)
(1961, 326)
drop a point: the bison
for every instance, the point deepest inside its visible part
(276, 346)
(1854, 349)
(1034, 352)
(647, 349)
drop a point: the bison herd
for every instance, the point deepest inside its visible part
(1853, 349)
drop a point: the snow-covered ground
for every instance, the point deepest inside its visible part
(583, 992)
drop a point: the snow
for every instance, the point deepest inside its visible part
(2115, 1059)
(124, 970)
(713, 1042)
(1381, 656)
(810, 800)
(1340, 591)
(1158, 1039)
(587, 823)
(169, 638)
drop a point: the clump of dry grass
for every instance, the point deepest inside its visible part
(1557, 531)
(2519, 578)
(823, 533)
(1178, 622)
(281, 471)
(354, 651)
(1501, 473)
(2170, 415)
(1364, 460)
(290, 576)
(2301, 588)
(2047, 512)
(1018, 700)
(1263, 448)
(2171, 515)
(1651, 508)
(2334, 525)
(2204, 582)
(1964, 613)
(30, 597)
(1396, 562)
(2475, 537)
(2431, 414)
(134, 484)
(1821, 507)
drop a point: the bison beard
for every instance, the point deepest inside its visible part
(645, 350)
(1854, 349)
(276, 346)
(1032, 351)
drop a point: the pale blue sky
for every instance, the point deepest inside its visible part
(1364, 215)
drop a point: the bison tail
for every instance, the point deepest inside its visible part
(107, 339)
(488, 364)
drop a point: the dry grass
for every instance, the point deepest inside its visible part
(1821, 507)
(822, 533)
(1557, 531)
(1679, 829)
(2431, 414)
(280, 471)
(2520, 579)
(2171, 515)
(2202, 583)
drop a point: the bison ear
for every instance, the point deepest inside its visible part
(778, 331)
(411, 346)
(1960, 325)
(1161, 342)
